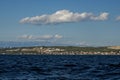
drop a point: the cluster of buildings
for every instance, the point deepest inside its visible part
(55, 51)
(35, 50)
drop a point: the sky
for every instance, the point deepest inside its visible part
(75, 22)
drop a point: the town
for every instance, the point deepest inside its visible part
(61, 50)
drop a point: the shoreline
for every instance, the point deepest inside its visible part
(60, 50)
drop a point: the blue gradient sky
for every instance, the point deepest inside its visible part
(93, 33)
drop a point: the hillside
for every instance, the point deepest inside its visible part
(62, 50)
(114, 47)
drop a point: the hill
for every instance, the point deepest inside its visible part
(114, 47)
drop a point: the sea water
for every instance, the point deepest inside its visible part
(59, 67)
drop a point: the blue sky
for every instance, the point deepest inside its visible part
(78, 22)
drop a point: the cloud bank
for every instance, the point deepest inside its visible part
(43, 37)
(64, 16)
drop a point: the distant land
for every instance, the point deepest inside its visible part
(61, 50)
(114, 47)
(9, 44)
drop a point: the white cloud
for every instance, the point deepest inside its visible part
(43, 37)
(64, 16)
(102, 16)
(118, 18)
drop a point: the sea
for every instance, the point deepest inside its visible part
(59, 67)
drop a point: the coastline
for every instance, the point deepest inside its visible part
(60, 50)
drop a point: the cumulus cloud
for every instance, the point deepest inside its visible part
(43, 37)
(118, 18)
(102, 16)
(64, 16)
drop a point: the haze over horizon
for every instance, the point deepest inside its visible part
(80, 22)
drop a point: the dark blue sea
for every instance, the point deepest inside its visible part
(59, 67)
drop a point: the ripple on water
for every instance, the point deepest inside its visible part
(60, 67)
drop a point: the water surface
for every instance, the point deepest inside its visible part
(63, 67)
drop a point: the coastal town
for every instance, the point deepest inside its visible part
(62, 50)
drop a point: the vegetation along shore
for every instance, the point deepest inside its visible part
(61, 50)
